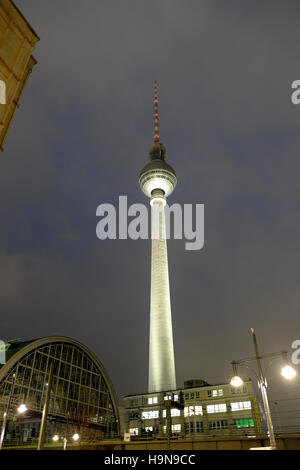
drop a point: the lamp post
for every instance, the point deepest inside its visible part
(278, 424)
(75, 438)
(46, 409)
(287, 372)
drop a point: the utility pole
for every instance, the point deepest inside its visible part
(278, 422)
(263, 387)
(175, 404)
(46, 409)
(288, 372)
(169, 425)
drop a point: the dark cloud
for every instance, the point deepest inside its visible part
(81, 137)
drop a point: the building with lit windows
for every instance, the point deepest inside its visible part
(82, 397)
(206, 410)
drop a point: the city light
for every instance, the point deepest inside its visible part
(76, 437)
(236, 381)
(55, 438)
(288, 372)
(22, 408)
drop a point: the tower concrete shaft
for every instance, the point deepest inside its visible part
(161, 349)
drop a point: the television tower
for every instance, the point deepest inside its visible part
(157, 181)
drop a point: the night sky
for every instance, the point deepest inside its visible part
(81, 137)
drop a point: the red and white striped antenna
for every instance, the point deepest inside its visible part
(156, 130)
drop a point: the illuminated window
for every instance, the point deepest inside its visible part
(175, 428)
(168, 397)
(218, 408)
(198, 410)
(134, 431)
(176, 397)
(241, 405)
(244, 423)
(217, 393)
(152, 400)
(193, 410)
(148, 428)
(174, 412)
(153, 414)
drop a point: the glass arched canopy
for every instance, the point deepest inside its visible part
(81, 389)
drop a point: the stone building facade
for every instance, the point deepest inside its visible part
(205, 410)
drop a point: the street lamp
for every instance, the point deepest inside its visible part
(236, 381)
(22, 409)
(75, 438)
(287, 372)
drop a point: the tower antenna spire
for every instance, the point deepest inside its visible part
(156, 130)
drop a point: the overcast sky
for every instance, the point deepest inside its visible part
(81, 137)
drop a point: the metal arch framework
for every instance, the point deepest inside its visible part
(62, 339)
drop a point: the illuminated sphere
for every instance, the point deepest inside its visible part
(288, 372)
(157, 176)
(236, 381)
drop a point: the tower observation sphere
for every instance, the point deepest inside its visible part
(157, 177)
(157, 181)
